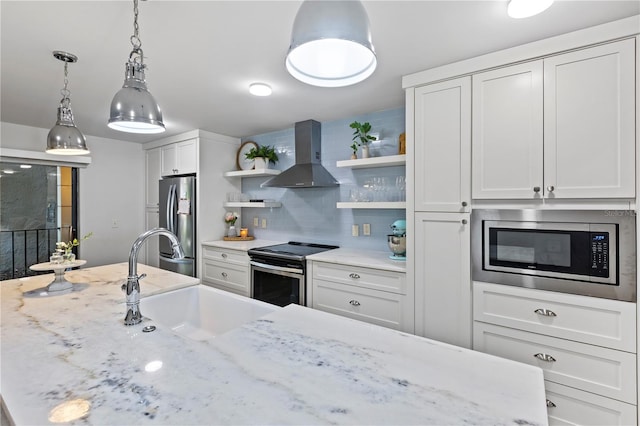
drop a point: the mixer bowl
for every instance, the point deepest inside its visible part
(397, 244)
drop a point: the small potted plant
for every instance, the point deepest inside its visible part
(262, 156)
(64, 248)
(362, 137)
(230, 219)
(354, 148)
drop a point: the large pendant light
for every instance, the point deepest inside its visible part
(65, 138)
(133, 108)
(331, 44)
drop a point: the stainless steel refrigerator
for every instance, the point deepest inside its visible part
(178, 215)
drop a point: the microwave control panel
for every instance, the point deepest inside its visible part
(600, 254)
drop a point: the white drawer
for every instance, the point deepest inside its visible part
(233, 278)
(372, 306)
(603, 322)
(603, 371)
(238, 257)
(576, 407)
(376, 279)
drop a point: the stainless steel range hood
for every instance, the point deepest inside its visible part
(308, 171)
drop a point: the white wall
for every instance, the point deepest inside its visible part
(110, 188)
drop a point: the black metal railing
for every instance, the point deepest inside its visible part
(22, 248)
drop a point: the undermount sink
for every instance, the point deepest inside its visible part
(201, 312)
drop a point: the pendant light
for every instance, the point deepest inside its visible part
(526, 8)
(65, 138)
(133, 108)
(331, 44)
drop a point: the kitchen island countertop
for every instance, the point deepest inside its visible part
(294, 366)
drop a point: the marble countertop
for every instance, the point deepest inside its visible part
(294, 366)
(241, 245)
(364, 258)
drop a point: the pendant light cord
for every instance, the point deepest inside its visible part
(135, 38)
(65, 101)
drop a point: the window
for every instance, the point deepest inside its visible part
(38, 208)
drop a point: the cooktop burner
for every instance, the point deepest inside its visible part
(291, 250)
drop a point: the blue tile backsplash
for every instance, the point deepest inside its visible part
(310, 214)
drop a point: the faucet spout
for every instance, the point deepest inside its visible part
(132, 287)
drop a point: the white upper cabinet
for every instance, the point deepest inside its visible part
(589, 117)
(442, 159)
(561, 127)
(180, 158)
(507, 132)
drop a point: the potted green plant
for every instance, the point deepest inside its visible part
(362, 137)
(262, 156)
(354, 148)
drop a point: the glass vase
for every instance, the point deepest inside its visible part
(232, 232)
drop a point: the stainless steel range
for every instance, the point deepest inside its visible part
(278, 272)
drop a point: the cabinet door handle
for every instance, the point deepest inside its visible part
(354, 276)
(545, 312)
(224, 255)
(550, 404)
(224, 274)
(464, 221)
(545, 357)
(536, 189)
(354, 303)
(550, 188)
(464, 204)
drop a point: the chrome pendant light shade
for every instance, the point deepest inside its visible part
(133, 108)
(65, 138)
(331, 44)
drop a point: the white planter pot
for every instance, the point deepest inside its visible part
(261, 163)
(365, 151)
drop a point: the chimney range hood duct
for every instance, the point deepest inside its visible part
(308, 171)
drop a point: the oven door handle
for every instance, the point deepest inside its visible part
(277, 268)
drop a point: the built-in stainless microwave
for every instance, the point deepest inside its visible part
(592, 253)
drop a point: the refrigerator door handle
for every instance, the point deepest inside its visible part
(174, 189)
(168, 212)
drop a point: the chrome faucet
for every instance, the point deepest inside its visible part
(132, 287)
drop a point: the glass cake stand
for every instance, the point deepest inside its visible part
(59, 283)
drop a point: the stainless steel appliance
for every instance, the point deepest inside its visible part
(278, 272)
(591, 253)
(178, 215)
(308, 171)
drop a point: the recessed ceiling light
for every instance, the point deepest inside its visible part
(260, 89)
(25, 166)
(526, 8)
(8, 171)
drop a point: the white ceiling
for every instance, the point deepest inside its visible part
(202, 56)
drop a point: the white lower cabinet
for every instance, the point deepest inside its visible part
(226, 269)
(372, 295)
(570, 406)
(443, 277)
(585, 346)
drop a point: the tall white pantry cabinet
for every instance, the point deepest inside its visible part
(548, 125)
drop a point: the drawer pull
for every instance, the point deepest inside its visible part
(354, 303)
(224, 274)
(545, 357)
(354, 276)
(224, 255)
(550, 404)
(545, 312)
